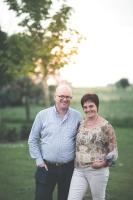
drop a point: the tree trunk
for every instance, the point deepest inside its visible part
(45, 92)
(27, 108)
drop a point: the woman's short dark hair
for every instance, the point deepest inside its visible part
(90, 97)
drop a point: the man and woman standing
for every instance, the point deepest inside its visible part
(52, 145)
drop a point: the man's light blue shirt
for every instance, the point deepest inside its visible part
(53, 138)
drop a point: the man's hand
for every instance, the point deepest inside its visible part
(43, 165)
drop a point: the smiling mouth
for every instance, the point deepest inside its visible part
(91, 112)
(65, 103)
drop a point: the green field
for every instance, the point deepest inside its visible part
(115, 105)
(17, 168)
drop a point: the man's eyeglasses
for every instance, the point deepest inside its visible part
(62, 97)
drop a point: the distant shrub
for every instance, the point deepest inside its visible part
(16, 93)
(11, 135)
(2, 131)
(24, 131)
(123, 83)
(8, 134)
(121, 122)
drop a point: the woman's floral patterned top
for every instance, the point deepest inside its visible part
(93, 144)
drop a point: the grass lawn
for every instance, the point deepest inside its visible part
(121, 179)
(17, 170)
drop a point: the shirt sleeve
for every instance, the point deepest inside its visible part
(113, 150)
(34, 140)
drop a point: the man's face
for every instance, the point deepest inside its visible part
(63, 97)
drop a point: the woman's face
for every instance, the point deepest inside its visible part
(90, 109)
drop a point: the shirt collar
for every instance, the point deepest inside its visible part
(55, 110)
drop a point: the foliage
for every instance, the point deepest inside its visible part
(16, 54)
(8, 134)
(53, 39)
(123, 83)
(20, 92)
(16, 93)
(11, 134)
(4, 73)
(24, 131)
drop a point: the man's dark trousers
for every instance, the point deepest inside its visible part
(46, 181)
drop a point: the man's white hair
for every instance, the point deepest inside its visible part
(63, 86)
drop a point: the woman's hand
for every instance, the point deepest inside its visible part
(98, 164)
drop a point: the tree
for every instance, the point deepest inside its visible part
(4, 73)
(123, 83)
(49, 31)
(16, 53)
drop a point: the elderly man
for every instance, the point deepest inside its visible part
(52, 145)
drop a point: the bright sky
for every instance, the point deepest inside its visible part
(107, 54)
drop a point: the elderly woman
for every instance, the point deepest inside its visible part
(96, 150)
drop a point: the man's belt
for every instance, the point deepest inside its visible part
(56, 164)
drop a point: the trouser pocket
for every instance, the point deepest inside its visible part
(41, 175)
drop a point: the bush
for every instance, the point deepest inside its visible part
(24, 131)
(121, 122)
(123, 83)
(11, 135)
(8, 134)
(2, 131)
(15, 93)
